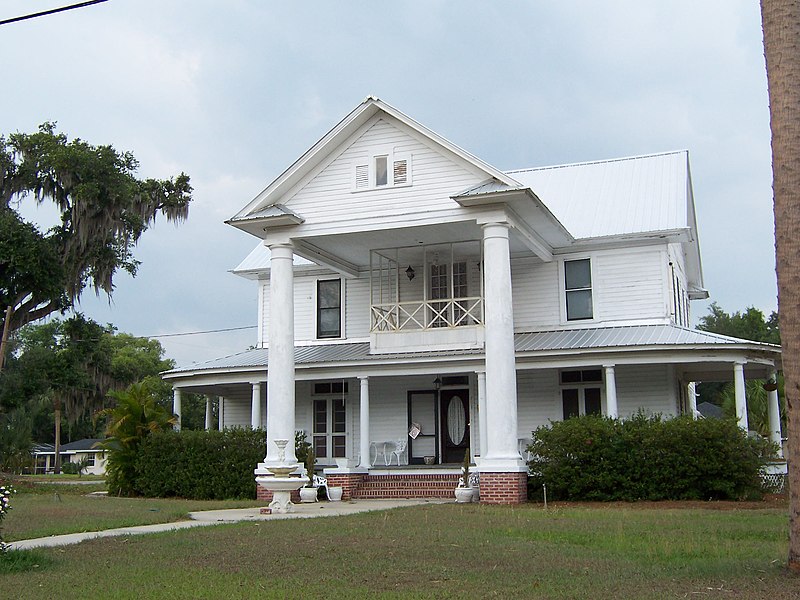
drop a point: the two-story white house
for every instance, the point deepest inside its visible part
(415, 303)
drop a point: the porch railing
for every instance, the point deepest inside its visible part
(428, 314)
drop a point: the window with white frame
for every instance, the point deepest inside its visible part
(329, 308)
(581, 392)
(578, 289)
(382, 169)
(90, 459)
(329, 427)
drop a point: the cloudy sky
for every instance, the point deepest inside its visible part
(233, 92)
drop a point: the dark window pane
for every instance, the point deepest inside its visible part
(579, 305)
(570, 376)
(329, 321)
(578, 274)
(320, 416)
(339, 446)
(592, 398)
(321, 446)
(329, 293)
(592, 375)
(338, 416)
(570, 401)
(322, 388)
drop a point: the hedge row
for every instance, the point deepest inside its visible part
(202, 465)
(646, 458)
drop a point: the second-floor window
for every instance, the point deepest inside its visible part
(578, 289)
(329, 308)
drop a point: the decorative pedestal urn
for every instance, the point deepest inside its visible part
(281, 483)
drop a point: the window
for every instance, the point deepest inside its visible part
(90, 459)
(578, 289)
(580, 392)
(329, 308)
(440, 290)
(329, 431)
(382, 170)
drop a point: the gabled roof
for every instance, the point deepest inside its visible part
(362, 114)
(638, 194)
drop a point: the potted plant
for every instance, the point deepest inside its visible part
(309, 492)
(464, 491)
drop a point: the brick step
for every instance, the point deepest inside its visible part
(414, 486)
(407, 493)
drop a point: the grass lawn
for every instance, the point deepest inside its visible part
(43, 510)
(441, 551)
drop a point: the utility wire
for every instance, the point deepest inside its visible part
(51, 11)
(197, 332)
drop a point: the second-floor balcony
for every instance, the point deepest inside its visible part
(427, 292)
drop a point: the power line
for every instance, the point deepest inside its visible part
(51, 11)
(163, 335)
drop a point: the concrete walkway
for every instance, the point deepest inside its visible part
(233, 515)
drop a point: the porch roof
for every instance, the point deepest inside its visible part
(630, 337)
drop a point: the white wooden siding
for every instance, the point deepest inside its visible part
(236, 413)
(629, 284)
(356, 306)
(538, 400)
(535, 292)
(327, 200)
(648, 387)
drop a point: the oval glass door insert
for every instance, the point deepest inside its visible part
(456, 420)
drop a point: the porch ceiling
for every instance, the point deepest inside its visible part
(354, 248)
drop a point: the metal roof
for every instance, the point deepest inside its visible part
(631, 337)
(612, 197)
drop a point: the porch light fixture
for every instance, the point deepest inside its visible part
(410, 273)
(437, 383)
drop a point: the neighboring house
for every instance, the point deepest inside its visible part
(44, 456)
(415, 302)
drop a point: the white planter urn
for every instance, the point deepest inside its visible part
(335, 493)
(308, 494)
(464, 494)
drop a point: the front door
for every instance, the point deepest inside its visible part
(455, 424)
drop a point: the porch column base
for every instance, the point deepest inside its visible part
(503, 488)
(349, 482)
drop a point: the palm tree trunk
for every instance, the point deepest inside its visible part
(781, 25)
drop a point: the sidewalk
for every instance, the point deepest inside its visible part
(233, 515)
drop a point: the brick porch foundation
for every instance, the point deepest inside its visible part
(503, 488)
(349, 483)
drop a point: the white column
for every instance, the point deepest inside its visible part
(255, 406)
(741, 400)
(280, 374)
(692, 392)
(501, 377)
(611, 392)
(208, 413)
(363, 417)
(774, 416)
(176, 407)
(221, 414)
(482, 412)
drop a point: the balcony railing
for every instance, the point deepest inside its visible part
(428, 314)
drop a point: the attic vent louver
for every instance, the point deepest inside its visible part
(362, 176)
(400, 172)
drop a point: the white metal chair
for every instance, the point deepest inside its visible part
(399, 451)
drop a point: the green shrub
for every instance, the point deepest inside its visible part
(70, 468)
(201, 465)
(646, 458)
